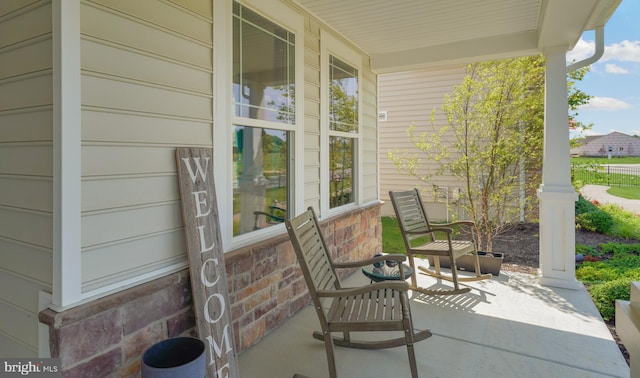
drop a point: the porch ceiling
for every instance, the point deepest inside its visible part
(401, 35)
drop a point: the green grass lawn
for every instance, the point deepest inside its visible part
(613, 160)
(391, 236)
(628, 192)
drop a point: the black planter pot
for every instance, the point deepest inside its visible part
(489, 262)
(176, 357)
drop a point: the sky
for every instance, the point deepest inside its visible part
(614, 80)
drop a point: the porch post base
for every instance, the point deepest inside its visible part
(560, 282)
(557, 237)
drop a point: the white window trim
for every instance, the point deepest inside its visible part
(224, 115)
(330, 45)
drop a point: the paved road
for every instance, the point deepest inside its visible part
(599, 193)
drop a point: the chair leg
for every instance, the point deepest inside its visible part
(408, 333)
(454, 273)
(328, 345)
(414, 281)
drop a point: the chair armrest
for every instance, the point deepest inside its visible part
(269, 216)
(458, 223)
(377, 286)
(441, 229)
(356, 264)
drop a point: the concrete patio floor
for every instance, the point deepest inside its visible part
(508, 326)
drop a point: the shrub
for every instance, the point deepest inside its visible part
(605, 294)
(596, 273)
(584, 206)
(617, 249)
(587, 250)
(595, 220)
(626, 224)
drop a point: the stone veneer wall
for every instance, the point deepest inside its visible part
(107, 337)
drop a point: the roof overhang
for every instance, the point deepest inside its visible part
(402, 35)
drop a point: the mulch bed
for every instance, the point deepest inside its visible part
(520, 246)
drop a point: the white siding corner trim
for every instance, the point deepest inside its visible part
(66, 154)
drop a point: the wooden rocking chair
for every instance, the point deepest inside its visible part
(414, 223)
(381, 306)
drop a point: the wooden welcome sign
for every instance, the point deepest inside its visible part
(206, 260)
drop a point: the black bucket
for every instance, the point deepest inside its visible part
(176, 357)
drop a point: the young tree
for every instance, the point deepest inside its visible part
(493, 135)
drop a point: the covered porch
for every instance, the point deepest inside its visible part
(509, 326)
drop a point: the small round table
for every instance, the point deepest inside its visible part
(386, 273)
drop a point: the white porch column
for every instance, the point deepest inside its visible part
(557, 195)
(67, 144)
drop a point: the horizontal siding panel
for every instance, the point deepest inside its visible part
(409, 98)
(311, 41)
(10, 348)
(101, 92)
(33, 193)
(27, 226)
(311, 173)
(118, 160)
(165, 14)
(25, 126)
(311, 59)
(111, 27)
(117, 127)
(122, 63)
(312, 76)
(28, 92)
(26, 59)
(203, 8)
(8, 6)
(13, 31)
(311, 158)
(25, 299)
(115, 263)
(19, 324)
(105, 227)
(311, 125)
(311, 142)
(311, 108)
(21, 159)
(27, 259)
(112, 193)
(312, 92)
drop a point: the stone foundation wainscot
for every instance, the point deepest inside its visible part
(106, 337)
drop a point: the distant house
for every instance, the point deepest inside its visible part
(614, 144)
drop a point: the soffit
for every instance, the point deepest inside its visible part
(408, 34)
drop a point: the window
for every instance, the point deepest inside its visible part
(341, 89)
(264, 121)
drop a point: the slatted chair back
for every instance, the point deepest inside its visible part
(313, 254)
(413, 219)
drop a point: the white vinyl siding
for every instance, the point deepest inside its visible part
(26, 171)
(409, 98)
(312, 114)
(146, 88)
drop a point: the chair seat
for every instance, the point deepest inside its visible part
(441, 248)
(370, 311)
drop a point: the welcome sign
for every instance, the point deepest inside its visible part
(206, 260)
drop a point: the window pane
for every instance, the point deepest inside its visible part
(261, 177)
(263, 68)
(341, 170)
(343, 92)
